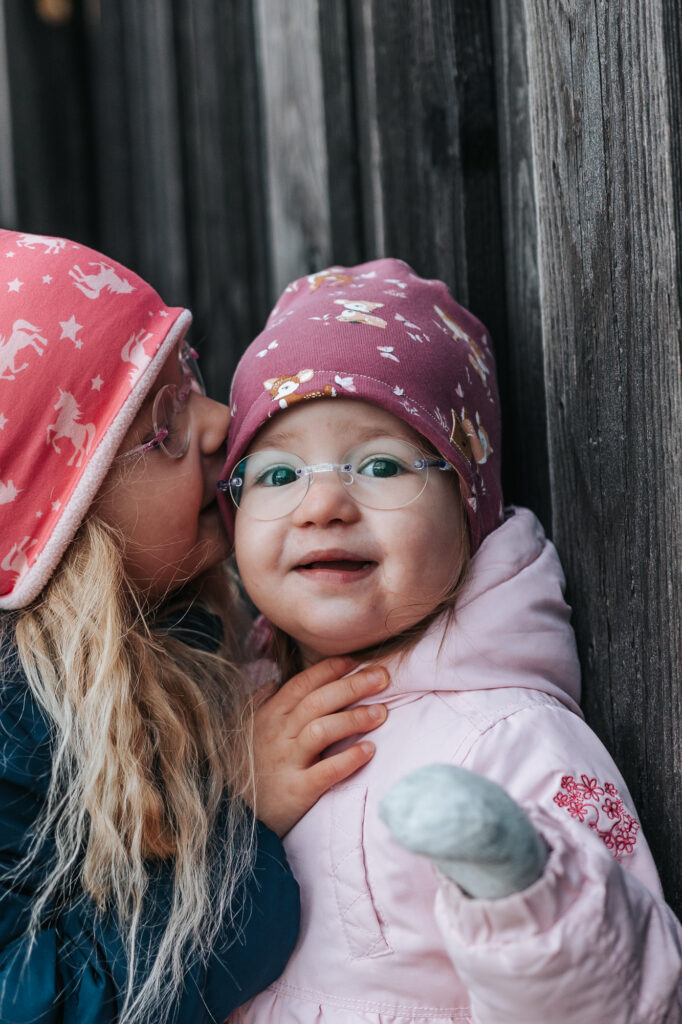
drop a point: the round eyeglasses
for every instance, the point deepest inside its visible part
(385, 473)
(170, 411)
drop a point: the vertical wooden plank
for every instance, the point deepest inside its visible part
(137, 123)
(343, 168)
(426, 121)
(409, 127)
(50, 122)
(8, 198)
(112, 143)
(224, 188)
(297, 170)
(672, 34)
(611, 329)
(522, 371)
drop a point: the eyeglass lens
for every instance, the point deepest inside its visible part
(386, 473)
(189, 366)
(171, 421)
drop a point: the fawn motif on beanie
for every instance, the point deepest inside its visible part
(82, 340)
(380, 333)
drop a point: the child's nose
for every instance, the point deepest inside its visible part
(213, 420)
(327, 500)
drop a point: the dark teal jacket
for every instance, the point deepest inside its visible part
(76, 971)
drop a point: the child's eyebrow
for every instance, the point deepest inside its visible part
(283, 438)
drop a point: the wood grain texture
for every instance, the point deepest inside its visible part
(8, 198)
(50, 123)
(409, 135)
(428, 143)
(223, 182)
(340, 114)
(611, 331)
(295, 133)
(672, 35)
(137, 121)
(521, 362)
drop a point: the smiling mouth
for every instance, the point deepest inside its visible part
(338, 565)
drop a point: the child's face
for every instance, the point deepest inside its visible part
(166, 508)
(384, 571)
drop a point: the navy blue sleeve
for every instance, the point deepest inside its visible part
(76, 970)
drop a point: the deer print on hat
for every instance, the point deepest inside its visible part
(476, 357)
(283, 389)
(358, 311)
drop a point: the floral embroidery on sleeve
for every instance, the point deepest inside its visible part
(601, 809)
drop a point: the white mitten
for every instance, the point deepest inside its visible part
(469, 827)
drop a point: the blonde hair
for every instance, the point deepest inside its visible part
(285, 651)
(149, 736)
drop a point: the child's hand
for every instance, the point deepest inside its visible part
(297, 723)
(471, 829)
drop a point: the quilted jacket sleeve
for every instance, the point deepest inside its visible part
(592, 940)
(76, 970)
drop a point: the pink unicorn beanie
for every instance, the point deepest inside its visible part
(82, 341)
(381, 333)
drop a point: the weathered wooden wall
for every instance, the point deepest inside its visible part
(528, 153)
(595, 88)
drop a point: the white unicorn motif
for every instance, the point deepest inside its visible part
(106, 277)
(16, 559)
(133, 352)
(23, 334)
(8, 492)
(52, 245)
(67, 425)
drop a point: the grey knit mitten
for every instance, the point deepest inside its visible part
(469, 827)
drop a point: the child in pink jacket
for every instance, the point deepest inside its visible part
(509, 881)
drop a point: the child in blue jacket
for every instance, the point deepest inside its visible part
(137, 882)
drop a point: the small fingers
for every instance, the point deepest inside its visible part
(303, 683)
(338, 694)
(322, 732)
(326, 773)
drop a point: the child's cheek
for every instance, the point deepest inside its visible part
(254, 550)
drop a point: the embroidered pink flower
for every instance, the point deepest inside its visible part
(615, 827)
(590, 788)
(612, 808)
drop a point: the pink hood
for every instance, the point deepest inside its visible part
(512, 625)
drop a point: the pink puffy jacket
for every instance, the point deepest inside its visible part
(384, 939)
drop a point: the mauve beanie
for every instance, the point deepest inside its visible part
(380, 333)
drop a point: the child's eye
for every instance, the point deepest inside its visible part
(381, 466)
(276, 476)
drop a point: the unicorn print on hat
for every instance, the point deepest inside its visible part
(105, 278)
(23, 335)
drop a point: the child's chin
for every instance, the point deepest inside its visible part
(316, 649)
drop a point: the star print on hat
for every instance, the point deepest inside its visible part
(82, 341)
(380, 333)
